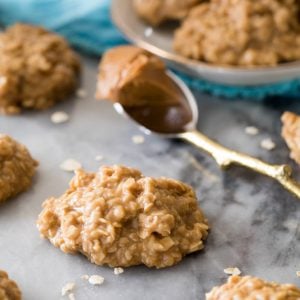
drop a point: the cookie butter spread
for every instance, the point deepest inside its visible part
(157, 11)
(37, 69)
(120, 218)
(139, 81)
(8, 288)
(241, 32)
(134, 77)
(291, 134)
(250, 288)
(17, 168)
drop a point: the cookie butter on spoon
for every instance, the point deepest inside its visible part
(140, 82)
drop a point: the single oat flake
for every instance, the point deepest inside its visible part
(59, 117)
(118, 271)
(232, 271)
(251, 130)
(138, 139)
(298, 273)
(96, 280)
(267, 144)
(69, 287)
(70, 165)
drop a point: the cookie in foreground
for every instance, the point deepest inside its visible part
(120, 218)
(17, 168)
(37, 69)
(9, 290)
(249, 288)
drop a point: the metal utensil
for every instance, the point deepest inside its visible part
(223, 156)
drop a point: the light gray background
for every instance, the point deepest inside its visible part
(254, 223)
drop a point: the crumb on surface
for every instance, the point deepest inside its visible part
(59, 117)
(96, 280)
(138, 139)
(71, 296)
(67, 288)
(118, 271)
(232, 271)
(99, 158)
(70, 165)
(298, 273)
(268, 144)
(85, 277)
(251, 130)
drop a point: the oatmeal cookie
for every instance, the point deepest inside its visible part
(291, 134)
(8, 288)
(157, 11)
(241, 32)
(17, 168)
(120, 218)
(249, 288)
(37, 69)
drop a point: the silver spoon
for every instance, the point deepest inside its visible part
(223, 156)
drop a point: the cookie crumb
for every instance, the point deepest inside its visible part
(298, 273)
(59, 117)
(148, 31)
(232, 271)
(118, 271)
(69, 287)
(81, 93)
(71, 296)
(85, 277)
(267, 144)
(96, 280)
(138, 139)
(251, 130)
(70, 165)
(99, 158)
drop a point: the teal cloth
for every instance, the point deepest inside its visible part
(88, 27)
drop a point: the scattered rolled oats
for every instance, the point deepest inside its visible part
(71, 296)
(70, 165)
(69, 287)
(118, 271)
(59, 117)
(96, 280)
(81, 93)
(99, 158)
(251, 130)
(267, 144)
(232, 271)
(138, 139)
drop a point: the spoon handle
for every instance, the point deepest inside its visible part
(226, 157)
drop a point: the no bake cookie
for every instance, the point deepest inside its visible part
(241, 32)
(17, 168)
(250, 288)
(120, 218)
(37, 69)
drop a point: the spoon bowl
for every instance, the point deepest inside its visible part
(188, 132)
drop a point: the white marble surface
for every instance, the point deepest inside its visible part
(254, 223)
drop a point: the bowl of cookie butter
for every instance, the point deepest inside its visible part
(238, 43)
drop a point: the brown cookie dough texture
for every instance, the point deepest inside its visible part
(241, 32)
(17, 168)
(120, 218)
(291, 134)
(8, 288)
(157, 11)
(251, 288)
(37, 69)
(134, 77)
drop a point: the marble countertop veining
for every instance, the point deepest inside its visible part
(254, 222)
